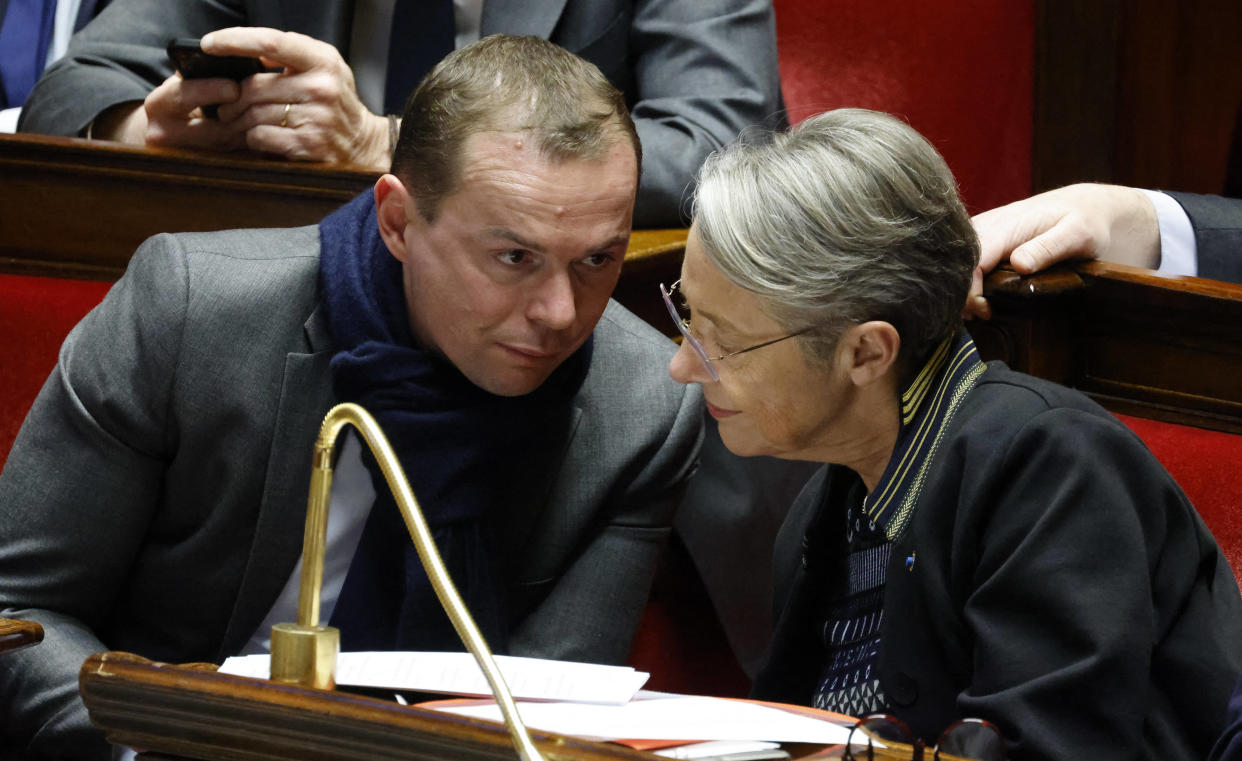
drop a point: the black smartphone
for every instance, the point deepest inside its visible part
(188, 57)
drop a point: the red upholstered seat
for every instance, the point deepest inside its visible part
(961, 72)
(35, 315)
(1208, 467)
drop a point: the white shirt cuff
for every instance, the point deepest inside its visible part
(1178, 253)
(8, 119)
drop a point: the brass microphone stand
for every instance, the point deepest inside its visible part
(305, 653)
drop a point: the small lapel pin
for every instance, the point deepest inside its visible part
(910, 562)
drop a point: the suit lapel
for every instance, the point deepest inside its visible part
(305, 397)
(520, 17)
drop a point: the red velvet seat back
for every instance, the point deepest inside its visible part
(959, 71)
(35, 315)
(1208, 467)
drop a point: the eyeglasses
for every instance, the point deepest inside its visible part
(881, 736)
(683, 325)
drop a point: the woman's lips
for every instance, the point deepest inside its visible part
(719, 412)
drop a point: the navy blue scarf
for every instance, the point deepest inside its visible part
(468, 453)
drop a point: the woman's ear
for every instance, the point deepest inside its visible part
(871, 350)
(393, 209)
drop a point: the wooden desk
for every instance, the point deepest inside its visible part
(191, 712)
(1140, 343)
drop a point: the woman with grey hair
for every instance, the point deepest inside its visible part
(979, 543)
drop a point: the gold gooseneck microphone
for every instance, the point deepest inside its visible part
(305, 653)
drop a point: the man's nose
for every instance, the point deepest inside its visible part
(554, 304)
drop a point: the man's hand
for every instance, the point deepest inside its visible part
(1084, 221)
(172, 115)
(310, 111)
(307, 111)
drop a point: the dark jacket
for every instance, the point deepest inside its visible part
(1053, 579)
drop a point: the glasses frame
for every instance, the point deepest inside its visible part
(918, 748)
(683, 325)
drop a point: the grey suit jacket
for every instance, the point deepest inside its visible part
(154, 499)
(694, 73)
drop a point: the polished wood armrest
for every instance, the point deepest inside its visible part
(16, 634)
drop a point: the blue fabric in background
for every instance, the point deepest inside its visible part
(25, 34)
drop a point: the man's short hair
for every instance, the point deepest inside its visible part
(506, 83)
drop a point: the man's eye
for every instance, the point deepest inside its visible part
(595, 261)
(514, 256)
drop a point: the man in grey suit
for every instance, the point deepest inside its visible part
(694, 74)
(154, 499)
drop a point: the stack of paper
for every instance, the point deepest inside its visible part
(664, 716)
(458, 674)
(585, 700)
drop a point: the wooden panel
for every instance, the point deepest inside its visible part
(1136, 92)
(1075, 107)
(79, 208)
(1167, 348)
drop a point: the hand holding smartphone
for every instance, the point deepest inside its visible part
(188, 57)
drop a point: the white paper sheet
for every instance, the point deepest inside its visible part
(717, 749)
(458, 674)
(661, 716)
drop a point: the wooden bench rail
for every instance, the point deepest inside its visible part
(16, 634)
(1141, 343)
(79, 208)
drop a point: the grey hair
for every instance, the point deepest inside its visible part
(849, 216)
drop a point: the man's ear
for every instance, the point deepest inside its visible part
(870, 351)
(393, 208)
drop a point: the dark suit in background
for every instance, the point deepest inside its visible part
(1217, 222)
(694, 73)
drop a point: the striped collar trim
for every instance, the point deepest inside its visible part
(928, 404)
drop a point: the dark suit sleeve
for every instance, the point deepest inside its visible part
(703, 71)
(76, 497)
(118, 58)
(1217, 222)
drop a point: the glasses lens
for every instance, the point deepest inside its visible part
(973, 739)
(880, 732)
